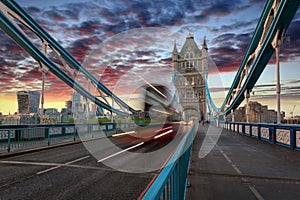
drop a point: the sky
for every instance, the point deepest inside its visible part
(121, 42)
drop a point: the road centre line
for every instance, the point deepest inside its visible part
(58, 166)
(132, 147)
(163, 129)
(165, 133)
(238, 171)
(54, 164)
(121, 134)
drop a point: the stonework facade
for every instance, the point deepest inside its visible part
(257, 113)
(190, 66)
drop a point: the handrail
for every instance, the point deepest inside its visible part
(22, 137)
(287, 135)
(172, 179)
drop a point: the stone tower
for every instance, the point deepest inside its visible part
(190, 66)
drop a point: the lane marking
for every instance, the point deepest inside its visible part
(163, 129)
(139, 144)
(47, 170)
(165, 133)
(239, 172)
(225, 156)
(256, 193)
(28, 163)
(54, 164)
(121, 134)
(58, 166)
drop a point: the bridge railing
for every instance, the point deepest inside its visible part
(287, 135)
(20, 137)
(172, 181)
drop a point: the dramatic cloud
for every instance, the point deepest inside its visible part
(83, 28)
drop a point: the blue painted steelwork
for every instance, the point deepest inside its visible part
(172, 180)
(260, 49)
(257, 54)
(212, 108)
(16, 137)
(16, 34)
(287, 135)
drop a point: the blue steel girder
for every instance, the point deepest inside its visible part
(40, 57)
(284, 15)
(251, 48)
(22, 40)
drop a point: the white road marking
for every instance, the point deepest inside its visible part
(58, 166)
(256, 193)
(139, 144)
(120, 134)
(163, 129)
(28, 163)
(52, 164)
(238, 171)
(165, 133)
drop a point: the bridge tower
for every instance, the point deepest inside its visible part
(190, 66)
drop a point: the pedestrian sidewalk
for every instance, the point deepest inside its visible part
(240, 167)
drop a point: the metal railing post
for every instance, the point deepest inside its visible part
(8, 141)
(48, 136)
(74, 133)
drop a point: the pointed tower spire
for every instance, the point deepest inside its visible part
(175, 48)
(204, 45)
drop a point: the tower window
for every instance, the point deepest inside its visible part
(189, 94)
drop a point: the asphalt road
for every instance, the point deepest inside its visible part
(73, 172)
(240, 167)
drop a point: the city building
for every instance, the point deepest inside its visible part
(190, 66)
(292, 120)
(51, 115)
(81, 107)
(28, 102)
(257, 113)
(76, 103)
(68, 104)
(11, 119)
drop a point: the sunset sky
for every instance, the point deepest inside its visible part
(136, 37)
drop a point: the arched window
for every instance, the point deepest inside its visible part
(191, 55)
(189, 94)
(180, 81)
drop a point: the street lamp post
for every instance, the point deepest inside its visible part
(276, 43)
(278, 89)
(44, 70)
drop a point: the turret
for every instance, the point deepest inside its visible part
(204, 52)
(204, 45)
(174, 56)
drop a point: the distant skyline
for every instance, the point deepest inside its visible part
(81, 26)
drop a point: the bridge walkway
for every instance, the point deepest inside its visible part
(240, 167)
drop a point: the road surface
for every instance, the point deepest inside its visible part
(72, 172)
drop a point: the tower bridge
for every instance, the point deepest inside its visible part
(190, 68)
(162, 160)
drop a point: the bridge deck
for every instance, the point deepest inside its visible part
(240, 167)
